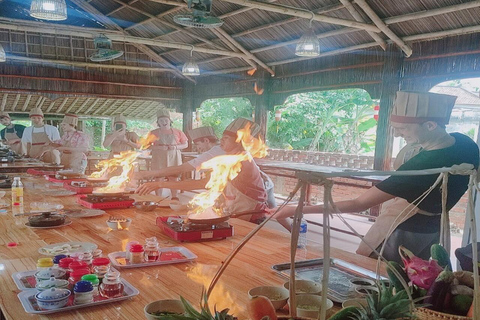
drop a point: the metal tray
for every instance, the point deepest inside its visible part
(168, 255)
(339, 289)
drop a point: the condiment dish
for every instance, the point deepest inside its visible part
(305, 287)
(277, 295)
(309, 305)
(177, 205)
(119, 224)
(154, 309)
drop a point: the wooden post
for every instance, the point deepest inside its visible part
(104, 127)
(262, 102)
(391, 84)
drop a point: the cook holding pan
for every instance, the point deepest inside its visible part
(246, 192)
(419, 118)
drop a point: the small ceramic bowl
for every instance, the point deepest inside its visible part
(51, 283)
(364, 290)
(308, 305)
(46, 274)
(146, 206)
(118, 225)
(355, 282)
(177, 205)
(277, 295)
(173, 306)
(53, 298)
(305, 287)
(354, 303)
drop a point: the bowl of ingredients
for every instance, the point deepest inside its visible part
(309, 305)
(277, 295)
(53, 298)
(305, 287)
(162, 308)
(118, 223)
(146, 206)
(177, 205)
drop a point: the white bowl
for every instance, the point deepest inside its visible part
(52, 299)
(46, 274)
(354, 303)
(308, 305)
(51, 283)
(174, 306)
(118, 225)
(305, 287)
(177, 205)
(277, 295)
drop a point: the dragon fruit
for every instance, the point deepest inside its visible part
(422, 273)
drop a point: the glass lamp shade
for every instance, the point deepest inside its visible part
(3, 56)
(190, 68)
(308, 45)
(49, 9)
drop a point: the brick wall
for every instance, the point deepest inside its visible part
(343, 188)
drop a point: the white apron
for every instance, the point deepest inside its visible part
(17, 147)
(42, 152)
(74, 160)
(118, 146)
(165, 158)
(379, 230)
(236, 202)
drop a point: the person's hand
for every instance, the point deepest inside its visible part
(119, 133)
(148, 187)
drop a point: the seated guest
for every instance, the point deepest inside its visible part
(39, 138)
(246, 192)
(12, 134)
(73, 145)
(120, 139)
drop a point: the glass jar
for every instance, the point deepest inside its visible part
(136, 254)
(87, 258)
(44, 263)
(151, 250)
(75, 265)
(128, 247)
(64, 265)
(93, 279)
(76, 276)
(100, 267)
(111, 286)
(83, 291)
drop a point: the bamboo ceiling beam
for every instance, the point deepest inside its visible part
(97, 111)
(108, 22)
(27, 101)
(51, 105)
(92, 106)
(160, 15)
(119, 8)
(74, 102)
(4, 101)
(382, 26)
(79, 108)
(349, 6)
(64, 102)
(302, 13)
(84, 105)
(17, 98)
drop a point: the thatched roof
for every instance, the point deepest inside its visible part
(254, 34)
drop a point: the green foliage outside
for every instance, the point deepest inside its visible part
(331, 121)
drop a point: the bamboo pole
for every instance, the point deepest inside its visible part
(383, 27)
(302, 13)
(17, 98)
(349, 6)
(170, 11)
(4, 101)
(27, 101)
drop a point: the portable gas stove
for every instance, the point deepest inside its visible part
(115, 201)
(176, 228)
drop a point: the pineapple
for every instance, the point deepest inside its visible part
(384, 305)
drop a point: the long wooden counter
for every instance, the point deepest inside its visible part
(250, 268)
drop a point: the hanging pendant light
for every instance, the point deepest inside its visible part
(49, 9)
(190, 68)
(308, 45)
(3, 56)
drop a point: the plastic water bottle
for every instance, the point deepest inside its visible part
(302, 236)
(17, 192)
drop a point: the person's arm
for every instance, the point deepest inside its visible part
(188, 185)
(132, 140)
(370, 198)
(165, 172)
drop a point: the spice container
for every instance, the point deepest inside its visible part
(151, 249)
(111, 286)
(83, 291)
(75, 265)
(63, 265)
(44, 263)
(76, 276)
(87, 258)
(128, 247)
(93, 279)
(100, 267)
(57, 259)
(136, 254)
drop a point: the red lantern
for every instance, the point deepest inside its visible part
(376, 109)
(278, 115)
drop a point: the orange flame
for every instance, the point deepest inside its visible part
(147, 141)
(119, 226)
(220, 298)
(225, 168)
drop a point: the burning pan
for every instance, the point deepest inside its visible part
(212, 221)
(90, 179)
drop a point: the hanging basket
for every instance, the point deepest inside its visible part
(427, 314)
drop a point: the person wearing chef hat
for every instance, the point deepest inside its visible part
(39, 137)
(166, 147)
(120, 139)
(246, 192)
(12, 134)
(73, 145)
(419, 118)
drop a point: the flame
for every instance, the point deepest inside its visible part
(147, 141)
(119, 226)
(220, 298)
(225, 168)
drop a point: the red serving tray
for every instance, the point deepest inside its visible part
(78, 190)
(53, 179)
(193, 235)
(36, 172)
(104, 205)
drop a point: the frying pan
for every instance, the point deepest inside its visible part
(91, 179)
(212, 221)
(111, 194)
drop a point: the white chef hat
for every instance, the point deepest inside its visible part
(163, 113)
(70, 119)
(241, 123)
(419, 107)
(4, 114)
(36, 112)
(202, 132)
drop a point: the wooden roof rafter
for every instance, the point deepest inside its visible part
(15, 103)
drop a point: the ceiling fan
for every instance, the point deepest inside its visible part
(104, 50)
(200, 17)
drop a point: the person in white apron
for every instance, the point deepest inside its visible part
(120, 139)
(419, 118)
(12, 134)
(166, 148)
(246, 192)
(39, 138)
(73, 145)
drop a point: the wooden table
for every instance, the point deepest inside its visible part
(250, 268)
(23, 166)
